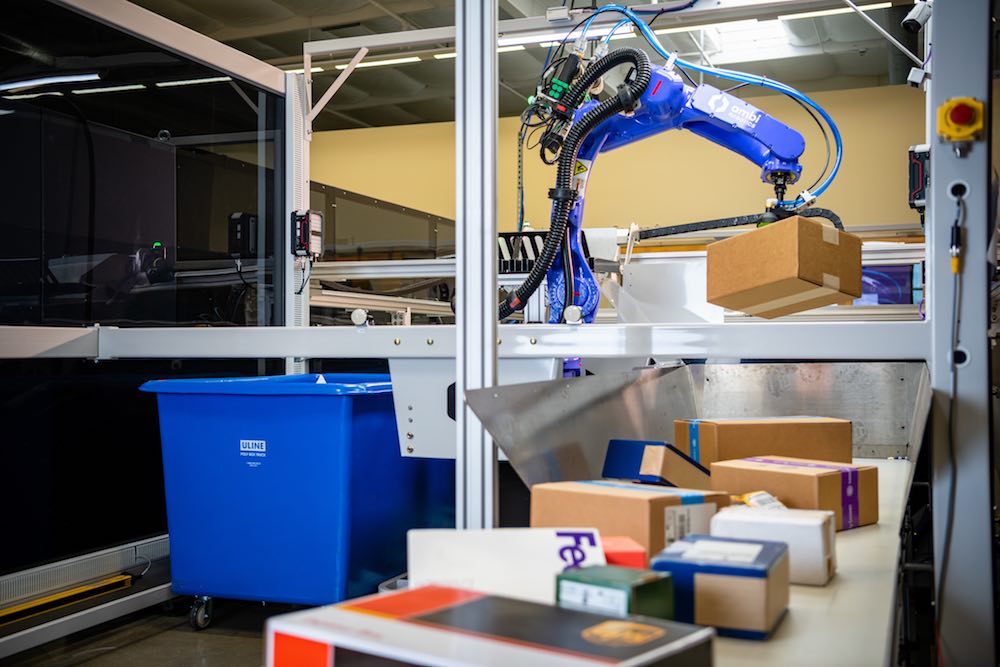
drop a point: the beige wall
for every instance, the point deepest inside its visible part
(673, 178)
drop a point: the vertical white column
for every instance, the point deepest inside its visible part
(297, 142)
(476, 267)
(962, 460)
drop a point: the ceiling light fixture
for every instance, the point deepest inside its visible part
(708, 26)
(542, 38)
(109, 89)
(31, 96)
(380, 63)
(302, 70)
(46, 80)
(500, 49)
(193, 82)
(832, 12)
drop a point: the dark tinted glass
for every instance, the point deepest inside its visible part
(81, 466)
(362, 228)
(119, 188)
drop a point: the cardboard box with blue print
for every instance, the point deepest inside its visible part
(738, 586)
(653, 516)
(721, 439)
(787, 267)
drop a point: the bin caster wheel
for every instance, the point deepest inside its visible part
(201, 613)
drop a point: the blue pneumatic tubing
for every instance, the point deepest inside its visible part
(739, 77)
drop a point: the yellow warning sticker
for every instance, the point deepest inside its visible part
(580, 167)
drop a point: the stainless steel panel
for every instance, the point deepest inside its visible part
(887, 402)
(420, 396)
(559, 430)
(25, 584)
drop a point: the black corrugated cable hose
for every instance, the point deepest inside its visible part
(752, 219)
(562, 194)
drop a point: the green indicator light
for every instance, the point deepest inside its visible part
(157, 244)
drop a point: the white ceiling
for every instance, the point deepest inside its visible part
(829, 52)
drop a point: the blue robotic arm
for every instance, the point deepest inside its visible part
(667, 104)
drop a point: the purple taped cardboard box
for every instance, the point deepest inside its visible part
(849, 490)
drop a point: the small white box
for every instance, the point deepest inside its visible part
(513, 562)
(809, 534)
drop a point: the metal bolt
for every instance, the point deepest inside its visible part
(410, 419)
(499, 341)
(533, 340)
(395, 341)
(409, 436)
(409, 449)
(430, 341)
(409, 407)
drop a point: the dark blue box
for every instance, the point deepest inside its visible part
(739, 586)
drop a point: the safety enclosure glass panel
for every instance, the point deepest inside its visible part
(140, 188)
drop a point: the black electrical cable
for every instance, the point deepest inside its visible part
(736, 221)
(305, 278)
(949, 521)
(562, 194)
(826, 140)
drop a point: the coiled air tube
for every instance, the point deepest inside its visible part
(624, 100)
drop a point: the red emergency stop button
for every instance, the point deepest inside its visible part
(962, 114)
(960, 119)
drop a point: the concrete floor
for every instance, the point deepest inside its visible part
(160, 637)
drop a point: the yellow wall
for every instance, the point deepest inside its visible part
(673, 178)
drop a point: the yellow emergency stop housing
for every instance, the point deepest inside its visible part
(949, 130)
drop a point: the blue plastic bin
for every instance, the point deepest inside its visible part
(284, 490)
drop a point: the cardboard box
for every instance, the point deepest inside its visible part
(515, 562)
(809, 534)
(651, 515)
(616, 591)
(653, 462)
(437, 626)
(624, 551)
(738, 586)
(709, 440)
(787, 267)
(848, 490)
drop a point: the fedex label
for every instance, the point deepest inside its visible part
(574, 553)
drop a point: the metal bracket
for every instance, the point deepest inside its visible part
(314, 111)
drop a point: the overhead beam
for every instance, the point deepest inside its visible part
(720, 10)
(363, 13)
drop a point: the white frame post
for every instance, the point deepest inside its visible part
(967, 608)
(476, 247)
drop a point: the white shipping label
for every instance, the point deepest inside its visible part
(587, 597)
(683, 520)
(723, 552)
